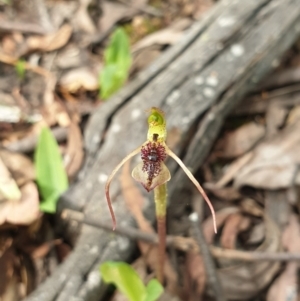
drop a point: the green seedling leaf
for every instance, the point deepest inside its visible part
(20, 68)
(117, 61)
(128, 282)
(111, 80)
(50, 173)
(118, 51)
(125, 278)
(153, 290)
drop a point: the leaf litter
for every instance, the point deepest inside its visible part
(50, 70)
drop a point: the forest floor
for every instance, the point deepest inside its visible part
(52, 54)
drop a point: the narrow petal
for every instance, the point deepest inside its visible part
(141, 176)
(196, 183)
(107, 185)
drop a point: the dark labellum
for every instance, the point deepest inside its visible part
(152, 154)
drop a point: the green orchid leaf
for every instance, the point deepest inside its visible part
(125, 278)
(117, 62)
(153, 290)
(51, 176)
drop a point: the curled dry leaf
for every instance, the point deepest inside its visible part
(242, 281)
(20, 166)
(271, 165)
(234, 224)
(274, 161)
(55, 113)
(21, 211)
(76, 79)
(9, 190)
(52, 41)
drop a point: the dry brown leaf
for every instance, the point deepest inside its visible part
(74, 152)
(52, 41)
(42, 250)
(134, 202)
(196, 275)
(8, 44)
(274, 162)
(233, 169)
(233, 225)
(20, 166)
(242, 281)
(238, 142)
(23, 211)
(55, 113)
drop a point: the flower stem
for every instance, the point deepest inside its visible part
(160, 198)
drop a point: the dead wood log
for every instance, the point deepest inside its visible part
(197, 83)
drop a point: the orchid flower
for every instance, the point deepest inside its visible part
(153, 174)
(152, 171)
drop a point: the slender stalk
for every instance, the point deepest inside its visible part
(160, 198)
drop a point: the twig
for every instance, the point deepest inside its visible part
(127, 231)
(254, 256)
(209, 264)
(182, 243)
